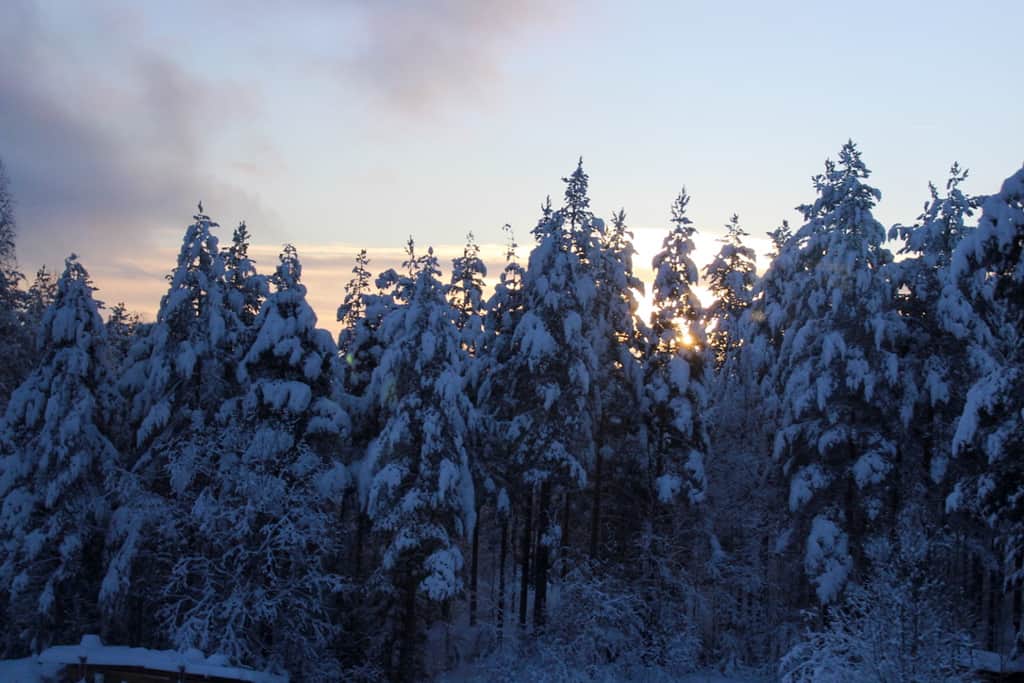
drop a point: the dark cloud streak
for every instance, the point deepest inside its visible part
(101, 154)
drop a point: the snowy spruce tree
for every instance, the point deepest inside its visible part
(56, 460)
(893, 625)
(245, 290)
(357, 346)
(416, 486)
(122, 326)
(19, 341)
(466, 292)
(176, 378)
(731, 277)
(550, 385)
(360, 344)
(39, 296)
(503, 311)
(353, 306)
(184, 366)
(257, 583)
(618, 339)
(838, 375)
(765, 322)
(674, 373)
(936, 367)
(985, 306)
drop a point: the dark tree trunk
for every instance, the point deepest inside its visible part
(501, 577)
(566, 519)
(407, 654)
(595, 518)
(362, 521)
(1018, 606)
(524, 577)
(994, 591)
(540, 584)
(979, 588)
(474, 570)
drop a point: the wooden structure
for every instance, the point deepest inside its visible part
(94, 662)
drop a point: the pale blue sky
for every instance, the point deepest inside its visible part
(358, 123)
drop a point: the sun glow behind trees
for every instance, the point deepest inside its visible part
(325, 264)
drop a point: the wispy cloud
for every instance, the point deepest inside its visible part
(416, 55)
(105, 142)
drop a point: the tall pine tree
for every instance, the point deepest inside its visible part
(57, 458)
(256, 582)
(988, 271)
(416, 487)
(837, 371)
(731, 277)
(674, 373)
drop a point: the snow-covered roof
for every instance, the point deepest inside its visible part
(194, 661)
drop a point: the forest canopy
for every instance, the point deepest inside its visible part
(820, 475)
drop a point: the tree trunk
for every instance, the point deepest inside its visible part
(407, 655)
(1018, 606)
(361, 524)
(994, 591)
(501, 578)
(979, 588)
(595, 518)
(540, 584)
(474, 570)
(524, 578)
(566, 519)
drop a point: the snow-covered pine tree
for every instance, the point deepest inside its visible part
(40, 295)
(838, 375)
(748, 620)
(360, 346)
(674, 368)
(177, 376)
(245, 290)
(503, 311)
(892, 625)
(618, 338)
(19, 342)
(764, 322)
(353, 306)
(750, 383)
(779, 237)
(661, 487)
(988, 270)
(357, 345)
(936, 371)
(731, 277)
(9, 274)
(56, 458)
(416, 486)
(466, 292)
(184, 367)
(550, 382)
(256, 583)
(122, 326)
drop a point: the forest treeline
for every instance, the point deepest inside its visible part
(820, 475)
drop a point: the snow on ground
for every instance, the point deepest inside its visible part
(27, 670)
